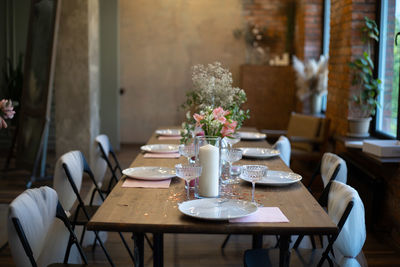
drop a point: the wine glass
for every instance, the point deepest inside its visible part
(188, 151)
(231, 155)
(232, 139)
(187, 172)
(254, 173)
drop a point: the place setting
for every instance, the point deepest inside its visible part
(168, 134)
(148, 177)
(160, 151)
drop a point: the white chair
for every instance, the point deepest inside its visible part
(36, 237)
(102, 163)
(332, 167)
(283, 145)
(68, 177)
(346, 209)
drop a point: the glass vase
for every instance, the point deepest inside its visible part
(208, 156)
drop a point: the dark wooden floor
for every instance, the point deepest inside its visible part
(180, 250)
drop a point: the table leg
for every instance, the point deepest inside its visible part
(284, 252)
(158, 252)
(138, 249)
(257, 241)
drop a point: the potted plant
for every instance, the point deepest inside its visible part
(363, 103)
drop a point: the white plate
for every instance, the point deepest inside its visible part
(169, 132)
(217, 208)
(252, 136)
(150, 173)
(277, 178)
(259, 152)
(160, 148)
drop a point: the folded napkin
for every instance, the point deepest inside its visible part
(263, 214)
(146, 184)
(173, 137)
(162, 155)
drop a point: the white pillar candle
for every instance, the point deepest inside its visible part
(209, 179)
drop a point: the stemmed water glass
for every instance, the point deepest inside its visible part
(187, 172)
(231, 155)
(254, 173)
(232, 139)
(188, 151)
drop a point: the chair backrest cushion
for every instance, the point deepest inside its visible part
(47, 236)
(74, 162)
(304, 126)
(100, 165)
(352, 236)
(283, 145)
(329, 163)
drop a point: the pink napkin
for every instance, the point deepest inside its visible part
(146, 184)
(162, 155)
(174, 137)
(263, 214)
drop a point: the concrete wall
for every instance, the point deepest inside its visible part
(109, 70)
(160, 40)
(77, 78)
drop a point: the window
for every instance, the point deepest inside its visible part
(388, 69)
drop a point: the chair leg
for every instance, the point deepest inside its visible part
(298, 241)
(103, 248)
(225, 241)
(148, 241)
(312, 241)
(127, 247)
(83, 235)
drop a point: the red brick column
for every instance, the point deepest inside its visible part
(347, 18)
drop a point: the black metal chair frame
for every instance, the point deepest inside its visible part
(60, 214)
(321, 200)
(114, 176)
(113, 169)
(82, 206)
(331, 238)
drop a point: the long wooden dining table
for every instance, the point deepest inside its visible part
(152, 210)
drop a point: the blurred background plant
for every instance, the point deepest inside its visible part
(364, 102)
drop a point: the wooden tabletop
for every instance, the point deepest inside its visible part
(156, 210)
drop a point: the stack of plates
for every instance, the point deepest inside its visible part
(149, 173)
(160, 148)
(169, 132)
(259, 152)
(217, 208)
(277, 178)
(251, 136)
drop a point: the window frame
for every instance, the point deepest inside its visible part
(373, 129)
(325, 33)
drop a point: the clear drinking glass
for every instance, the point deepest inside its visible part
(254, 173)
(208, 155)
(233, 139)
(188, 172)
(231, 155)
(188, 151)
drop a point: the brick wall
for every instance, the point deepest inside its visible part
(347, 17)
(272, 14)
